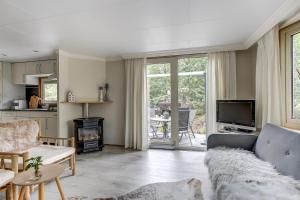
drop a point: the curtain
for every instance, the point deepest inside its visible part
(269, 102)
(221, 83)
(135, 122)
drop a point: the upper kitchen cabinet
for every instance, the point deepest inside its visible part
(19, 75)
(27, 73)
(40, 67)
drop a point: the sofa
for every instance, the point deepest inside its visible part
(22, 137)
(248, 167)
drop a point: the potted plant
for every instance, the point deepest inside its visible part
(35, 163)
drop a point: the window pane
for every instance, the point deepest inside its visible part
(50, 91)
(296, 77)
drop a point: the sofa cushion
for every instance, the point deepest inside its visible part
(6, 176)
(280, 147)
(18, 135)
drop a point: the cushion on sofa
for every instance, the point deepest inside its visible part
(239, 175)
(280, 147)
(6, 176)
(18, 135)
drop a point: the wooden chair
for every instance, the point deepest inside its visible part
(7, 175)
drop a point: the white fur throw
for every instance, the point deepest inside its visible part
(239, 175)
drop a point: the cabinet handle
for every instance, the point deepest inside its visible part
(47, 124)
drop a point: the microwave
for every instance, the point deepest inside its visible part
(19, 104)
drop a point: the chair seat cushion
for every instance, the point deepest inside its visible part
(50, 154)
(6, 176)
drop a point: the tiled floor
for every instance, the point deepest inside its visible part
(116, 171)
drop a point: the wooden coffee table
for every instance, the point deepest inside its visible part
(49, 172)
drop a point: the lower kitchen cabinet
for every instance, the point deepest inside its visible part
(47, 120)
(51, 127)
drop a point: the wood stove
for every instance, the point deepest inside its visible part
(88, 134)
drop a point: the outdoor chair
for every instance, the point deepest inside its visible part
(191, 120)
(183, 123)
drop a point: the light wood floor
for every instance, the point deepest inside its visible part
(115, 171)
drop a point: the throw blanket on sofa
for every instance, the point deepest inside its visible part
(239, 175)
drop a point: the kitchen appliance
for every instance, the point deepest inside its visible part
(31, 90)
(19, 104)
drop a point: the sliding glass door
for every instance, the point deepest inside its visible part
(176, 101)
(159, 103)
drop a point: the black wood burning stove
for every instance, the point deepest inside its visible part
(88, 134)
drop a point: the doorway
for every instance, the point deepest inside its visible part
(176, 97)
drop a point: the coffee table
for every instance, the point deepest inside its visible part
(49, 172)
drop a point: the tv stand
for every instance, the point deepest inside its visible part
(228, 129)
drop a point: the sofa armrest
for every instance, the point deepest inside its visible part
(231, 140)
(57, 141)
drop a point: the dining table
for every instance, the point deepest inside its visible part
(164, 121)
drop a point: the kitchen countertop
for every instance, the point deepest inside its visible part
(29, 110)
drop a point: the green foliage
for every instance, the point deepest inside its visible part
(34, 162)
(296, 77)
(191, 88)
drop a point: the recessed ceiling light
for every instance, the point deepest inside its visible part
(35, 51)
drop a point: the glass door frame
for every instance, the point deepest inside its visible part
(173, 61)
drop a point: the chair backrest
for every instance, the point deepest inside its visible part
(280, 147)
(183, 119)
(192, 115)
(18, 135)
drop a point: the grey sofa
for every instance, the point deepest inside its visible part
(276, 145)
(269, 164)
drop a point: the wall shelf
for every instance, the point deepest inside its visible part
(85, 105)
(89, 102)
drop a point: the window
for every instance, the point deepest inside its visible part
(49, 91)
(290, 62)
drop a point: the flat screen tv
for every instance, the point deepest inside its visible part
(236, 112)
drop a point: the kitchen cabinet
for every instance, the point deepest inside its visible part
(47, 120)
(40, 67)
(51, 127)
(19, 75)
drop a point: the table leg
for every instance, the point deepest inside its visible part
(27, 193)
(165, 128)
(61, 192)
(21, 195)
(41, 191)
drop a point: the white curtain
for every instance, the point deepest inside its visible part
(269, 104)
(135, 125)
(221, 83)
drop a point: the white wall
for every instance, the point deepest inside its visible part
(114, 113)
(81, 76)
(10, 91)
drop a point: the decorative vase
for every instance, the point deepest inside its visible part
(100, 97)
(37, 173)
(106, 95)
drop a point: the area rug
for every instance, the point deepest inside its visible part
(183, 190)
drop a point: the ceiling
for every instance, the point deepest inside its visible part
(110, 28)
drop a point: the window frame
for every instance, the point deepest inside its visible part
(286, 60)
(45, 81)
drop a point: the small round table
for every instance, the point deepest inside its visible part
(49, 172)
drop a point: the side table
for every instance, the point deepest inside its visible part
(48, 172)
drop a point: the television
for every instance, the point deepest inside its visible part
(240, 113)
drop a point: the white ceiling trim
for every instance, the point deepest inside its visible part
(197, 50)
(78, 56)
(287, 9)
